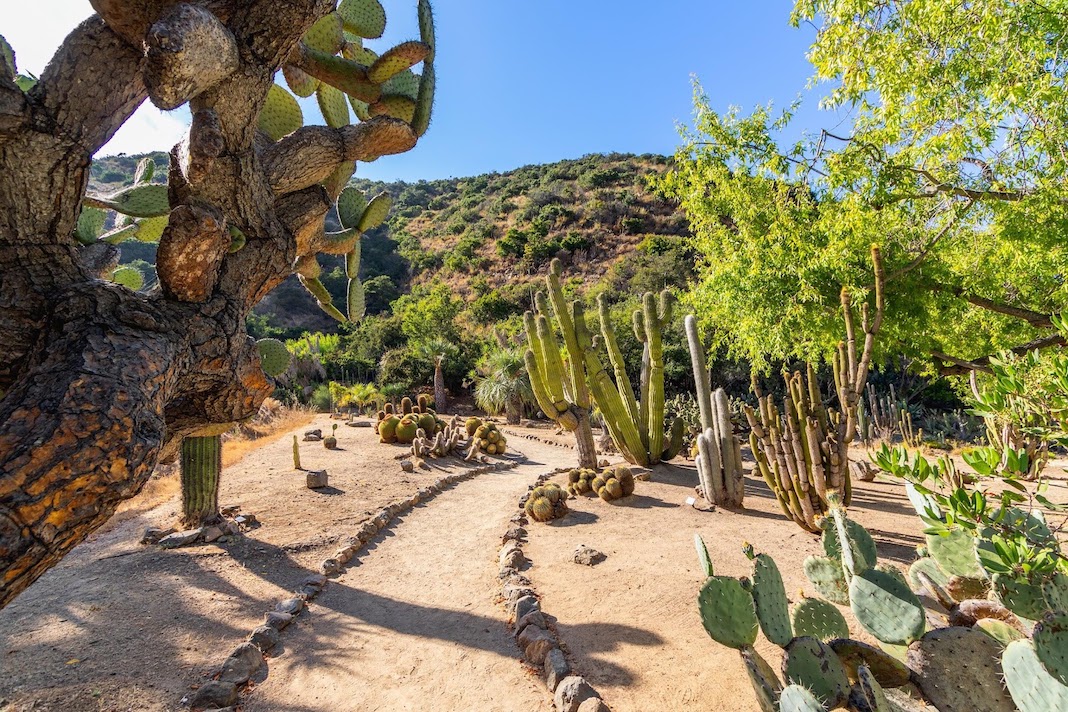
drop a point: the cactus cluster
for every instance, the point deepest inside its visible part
(546, 502)
(719, 451)
(988, 658)
(490, 440)
(566, 389)
(580, 480)
(802, 448)
(613, 483)
(404, 428)
(447, 441)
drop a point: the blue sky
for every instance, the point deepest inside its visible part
(533, 82)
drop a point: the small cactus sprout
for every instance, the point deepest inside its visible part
(330, 441)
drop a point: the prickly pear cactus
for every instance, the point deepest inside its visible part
(728, 612)
(818, 619)
(1032, 687)
(811, 662)
(274, 356)
(769, 598)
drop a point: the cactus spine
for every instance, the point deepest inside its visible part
(802, 450)
(201, 466)
(719, 458)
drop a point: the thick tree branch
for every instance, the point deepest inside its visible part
(187, 51)
(953, 366)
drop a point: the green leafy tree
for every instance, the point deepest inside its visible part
(954, 163)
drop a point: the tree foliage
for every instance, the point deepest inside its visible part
(954, 163)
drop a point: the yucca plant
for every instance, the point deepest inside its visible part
(503, 384)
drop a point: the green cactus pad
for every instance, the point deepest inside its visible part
(928, 567)
(138, 201)
(364, 18)
(325, 35)
(345, 74)
(765, 682)
(376, 212)
(827, 577)
(958, 670)
(90, 225)
(426, 26)
(274, 356)
(361, 108)
(394, 106)
(300, 82)
(1055, 591)
(1050, 638)
(795, 698)
(405, 83)
(424, 105)
(816, 618)
(955, 553)
(698, 542)
(146, 168)
(352, 260)
(333, 106)
(888, 670)
(395, 60)
(769, 597)
(119, 234)
(812, 663)
(350, 206)
(728, 612)
(868, 694)
(1032, 688)
(861, 555)
(281, 114)
(7, 59)
(1021, 597)
(129, 277)
(886, 607)
(356, 303)
(150, 230)
(998, 630)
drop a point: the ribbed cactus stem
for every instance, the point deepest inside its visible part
(296, 454)
(700, 370)
(201, 467)
(619, 366)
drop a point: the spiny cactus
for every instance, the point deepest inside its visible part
(449, 440)
(490, 440)
(580, 481)
(274, 356)
(802, 449)
(387, 428)
(982, 661)
(201, 466)
(330, 441)
(613, 483)
(546, 502)
(296, 454)
(719, 454)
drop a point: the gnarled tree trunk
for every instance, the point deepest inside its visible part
(100, 381)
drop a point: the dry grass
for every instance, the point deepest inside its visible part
(272, 423)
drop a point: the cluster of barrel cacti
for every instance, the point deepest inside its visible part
(719, 451)
(802, 448)
(405, 427)
(613, 483)
(565, 389)
(580, 480)
(987, 658)
(448, 441)
(489, 439)
(546, 502)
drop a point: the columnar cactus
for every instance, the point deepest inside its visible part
(201, 466)
(802, 449)
(719, 454)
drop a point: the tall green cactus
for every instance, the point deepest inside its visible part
(719, 453)
(201, 465)
(802, 449)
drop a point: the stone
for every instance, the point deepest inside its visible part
(359, 423)
(230, 510)
(308, 592)
(277, 620)
(534, 618)
(317, 580)
(586, 556)
(313, 435)
(555, 669)
(526, 605)
(330, 567)
(594, 704)
(173, 541)
(520, 518)
(515, 533)
(515, 578)
(233, 528)
(214, 693)
(535, 643)
(572, 692)
(292, 606)
(345, 554)
(407, 466)
(212, 533)
(512, 594)
(152, 535)
(508, 549)
(317, 479)
(242, 663)
(264, 637)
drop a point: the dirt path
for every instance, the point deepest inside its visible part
(412, 624)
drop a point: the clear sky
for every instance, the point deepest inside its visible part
(533, 82)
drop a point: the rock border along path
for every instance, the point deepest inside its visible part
(535, 636)
(235, 673)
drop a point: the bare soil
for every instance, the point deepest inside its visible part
(413, 622)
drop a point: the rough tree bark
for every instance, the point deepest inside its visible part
(99, 381)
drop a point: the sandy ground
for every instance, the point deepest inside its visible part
(414, 624)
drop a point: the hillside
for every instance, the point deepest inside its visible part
(489, 237)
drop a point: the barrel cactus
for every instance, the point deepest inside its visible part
(613, 483)
(580, 481)
(491, 440)
(546, 503)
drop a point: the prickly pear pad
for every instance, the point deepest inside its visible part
(728, 612)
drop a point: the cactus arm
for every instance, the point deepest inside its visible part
(564, 317)
(700, 370)
(654, 406)
(615, 356)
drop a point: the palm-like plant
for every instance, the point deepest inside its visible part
(503, 384)
(437, 350)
